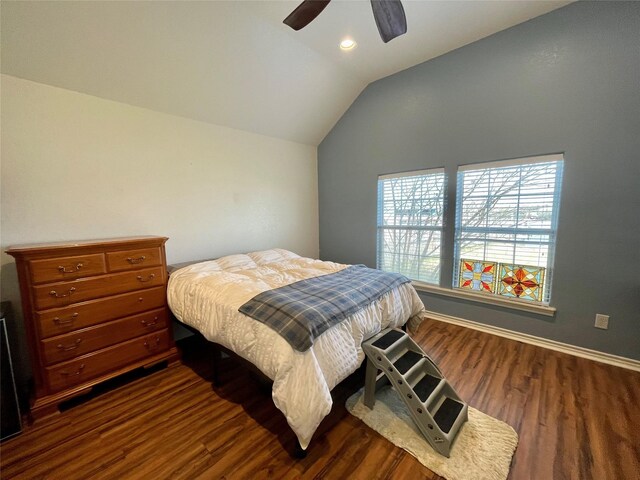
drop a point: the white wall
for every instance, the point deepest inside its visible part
(79, 167)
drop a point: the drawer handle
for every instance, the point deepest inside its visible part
(151, 345)
(72, 318)
(64, 269)
(150, 324)
(133, 261)
(149, 278)
(77, 372)
(53, 293)
(68, 348)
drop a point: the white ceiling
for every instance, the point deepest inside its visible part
(234, 63)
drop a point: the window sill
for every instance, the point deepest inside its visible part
(491, 300)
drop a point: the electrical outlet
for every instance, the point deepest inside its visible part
(602, 321)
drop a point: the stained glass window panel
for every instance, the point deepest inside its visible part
(478, 276)
(521, 281)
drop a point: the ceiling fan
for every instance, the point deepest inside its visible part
(389, 16)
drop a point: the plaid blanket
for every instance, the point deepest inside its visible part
(303, 310)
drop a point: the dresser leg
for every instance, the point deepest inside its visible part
(37, 413)
(49, 406)
(47, 411)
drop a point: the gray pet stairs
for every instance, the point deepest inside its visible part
(393, 357)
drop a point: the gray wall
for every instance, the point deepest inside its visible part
(568, 81)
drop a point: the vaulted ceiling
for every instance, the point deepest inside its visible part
(234, 63)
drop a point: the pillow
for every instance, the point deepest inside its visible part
(286, 253)
(236, 262)
(206, 266)
(271, 256)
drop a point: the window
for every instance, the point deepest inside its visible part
(410, 219)
(506, 222)
(502, 232)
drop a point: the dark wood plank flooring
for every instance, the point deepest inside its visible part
(576, 419)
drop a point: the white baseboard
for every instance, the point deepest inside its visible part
(582, 352)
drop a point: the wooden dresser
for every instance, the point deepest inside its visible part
(92, 310)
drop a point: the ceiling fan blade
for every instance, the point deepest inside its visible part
(390, 18)
(305, 13)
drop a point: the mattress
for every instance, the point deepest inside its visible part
(207, 295)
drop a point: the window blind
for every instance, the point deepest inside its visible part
(410, 218)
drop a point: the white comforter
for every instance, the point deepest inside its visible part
(207, 296)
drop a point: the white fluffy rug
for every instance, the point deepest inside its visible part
(482, 450)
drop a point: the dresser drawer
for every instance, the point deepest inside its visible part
(66, 268)
(64, 293)
(71, 345)
(103, 361)
(63, 320)
(133, 259)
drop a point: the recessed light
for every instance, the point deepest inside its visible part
(348, 44)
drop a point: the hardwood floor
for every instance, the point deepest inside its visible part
(576, 420)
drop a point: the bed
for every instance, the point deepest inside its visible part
(207, 296)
